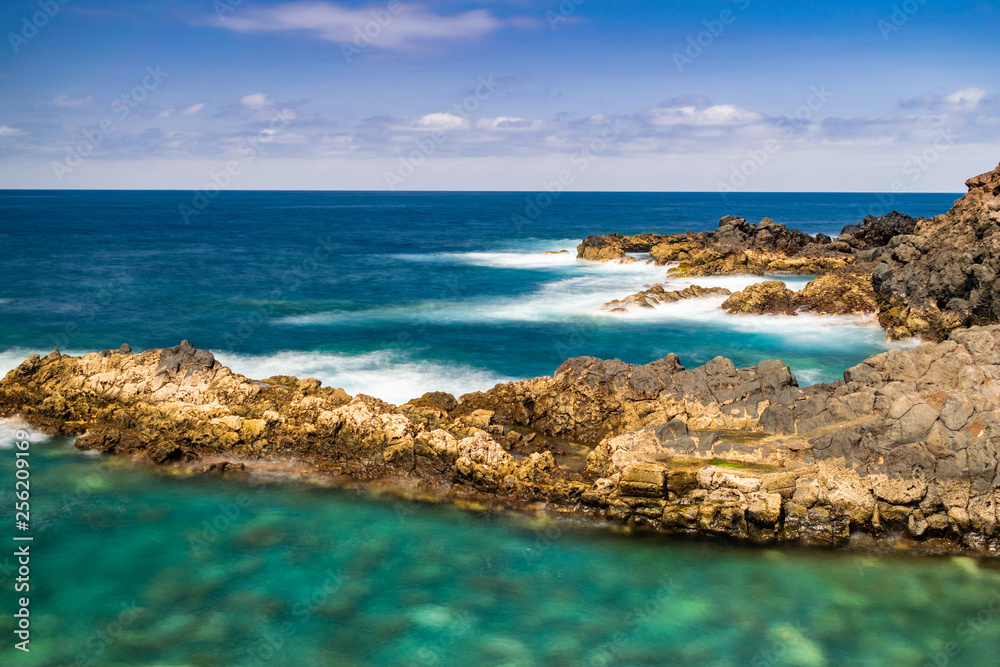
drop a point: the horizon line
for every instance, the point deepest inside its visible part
(560, 192)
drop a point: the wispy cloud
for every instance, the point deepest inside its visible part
(442, 121)
(508, 123)
(7, 131)
(193, 109)
(691, 114)
(69, 101)
(967, 99)
(405, 27)
(256, 101)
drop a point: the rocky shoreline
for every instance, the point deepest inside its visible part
(922, 277)
(903, 451)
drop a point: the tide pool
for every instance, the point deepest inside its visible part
(132, 566)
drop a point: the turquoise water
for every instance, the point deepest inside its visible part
(125, 572)
(394, 295)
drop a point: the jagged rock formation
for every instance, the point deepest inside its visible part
(770, 296)
(906, 446)
(908, 442)
(942, 275)
(658, 294)
(588, 399)
(614, 247)
(877, 231)
(846, 291)
(844, 265)
(179, 404)
(736, 247)
(929, 276)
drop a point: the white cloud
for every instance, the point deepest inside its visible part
(256, 101)
(969, 98)
(720, 114)
(193, 109)
(409, 25)
(442, 121)
(67, 101)
(507, 123)
(7, 131)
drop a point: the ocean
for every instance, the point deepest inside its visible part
(396, 294)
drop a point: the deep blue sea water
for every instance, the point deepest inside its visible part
(395, 294)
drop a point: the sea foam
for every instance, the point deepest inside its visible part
(13, 430)
(579, 290)
(390, 375)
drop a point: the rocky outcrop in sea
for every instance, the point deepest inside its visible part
(903, 450)
(844, 291)
(924, 277)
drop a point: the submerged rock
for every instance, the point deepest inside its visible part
(658, 294)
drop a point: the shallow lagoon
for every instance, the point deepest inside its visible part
(136, 567)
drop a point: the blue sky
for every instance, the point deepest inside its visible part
(743, 95)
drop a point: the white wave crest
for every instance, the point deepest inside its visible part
(15, 356)
(386, 374)
(497, 260)
(15, 430)
(581, 293)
